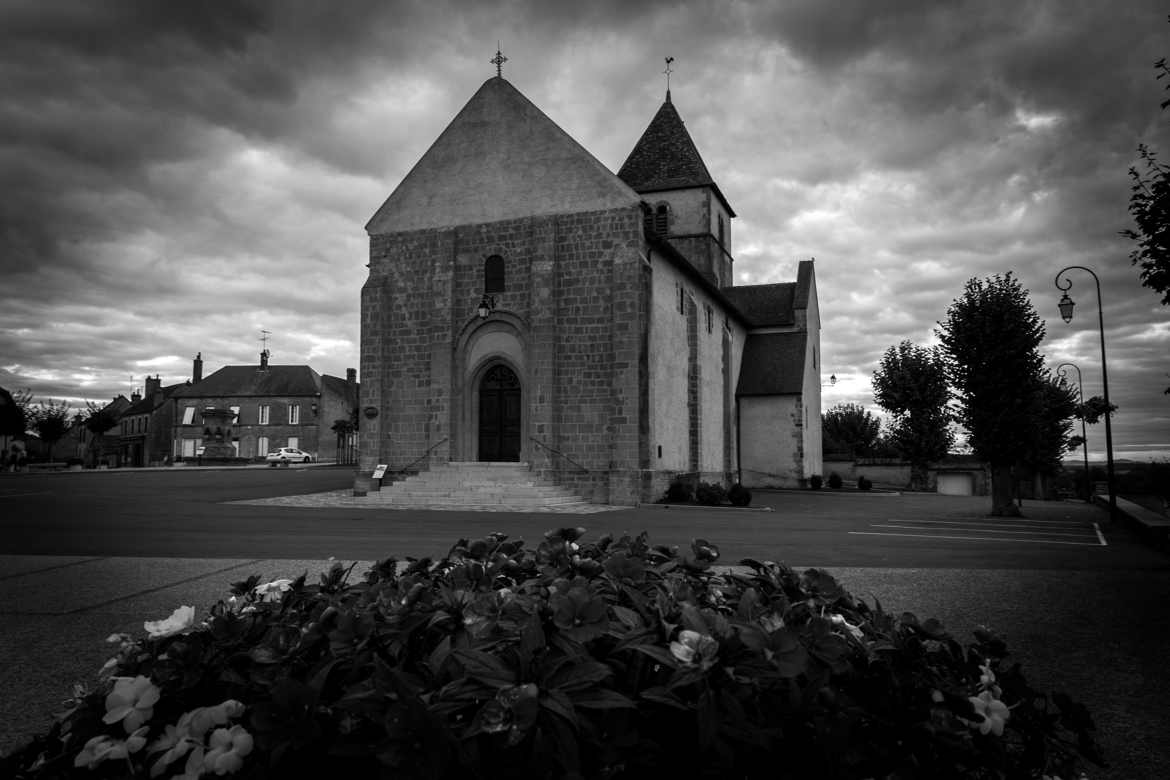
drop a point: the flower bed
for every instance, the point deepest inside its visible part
(607, 659)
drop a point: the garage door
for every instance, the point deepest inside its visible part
(956, 484)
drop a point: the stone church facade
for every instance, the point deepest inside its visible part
(524, 303)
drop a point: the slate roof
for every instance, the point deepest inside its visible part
(773, 364)
(250, 380)
(338, 386)
(665, 158)
(500, 158)
(765, 305)
(146, 404)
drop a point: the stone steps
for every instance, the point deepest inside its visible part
(478, 485)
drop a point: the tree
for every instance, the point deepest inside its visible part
(850, 429)
(1094, 409)
(1053, 427)
(98, 421)
(991, 337)
(911, 384)
(1149, 205)
(13, 417)
(51, 422)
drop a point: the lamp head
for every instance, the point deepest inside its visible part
(1066, 308)
(485, 307)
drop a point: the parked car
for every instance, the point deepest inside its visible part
(290, 455)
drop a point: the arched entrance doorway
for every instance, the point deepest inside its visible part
(499, 415)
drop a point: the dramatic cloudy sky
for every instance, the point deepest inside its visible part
(178, 176)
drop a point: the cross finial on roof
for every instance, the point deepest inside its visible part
(668, 71)
(498, 61)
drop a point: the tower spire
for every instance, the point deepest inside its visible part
(668, 72)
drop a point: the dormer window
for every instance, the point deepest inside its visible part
(493, 274)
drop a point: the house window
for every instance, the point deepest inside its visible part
(262, 446)
(661, 219)
(294, 414)
(235, 413)
(189, 415)
(294, 442)
(493, 274)
(263, 420)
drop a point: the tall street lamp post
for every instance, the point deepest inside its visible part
(1066, 312)
(1060, 371)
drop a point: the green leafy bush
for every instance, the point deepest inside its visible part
(710, 494)
(863, 483)
(680, 490)
(835, 481)
(606, 659)
(815, 482)
(738, 495)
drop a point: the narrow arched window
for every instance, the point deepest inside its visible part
(720, 230)
(493, 274)
(661, 219)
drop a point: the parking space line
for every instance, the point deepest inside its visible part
(1100, 535)
(1085, 533)
(1012, 523)
(975, 538)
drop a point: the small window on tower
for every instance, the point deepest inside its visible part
(720, 230)
(661, 219)
(493, 274)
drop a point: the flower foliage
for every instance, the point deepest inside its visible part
(606, 659)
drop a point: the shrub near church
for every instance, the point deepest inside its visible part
(613, 658)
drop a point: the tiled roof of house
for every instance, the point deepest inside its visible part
(773, 364)
(765, 305)
(252, 380)
(337, 385)
(665, 158)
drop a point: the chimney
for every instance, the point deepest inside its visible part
(264, 360)
(135, 396)
(350, 376)
(197, 369)
(153, 385)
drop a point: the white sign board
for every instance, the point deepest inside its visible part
(380, 470)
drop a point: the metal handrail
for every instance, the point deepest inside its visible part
(425, 454)
(555, 451)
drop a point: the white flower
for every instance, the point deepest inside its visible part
(993, 713)
(180, 620)
(271, 591)
(131, 701)
(838, 620)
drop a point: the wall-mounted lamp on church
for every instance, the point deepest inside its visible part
(486, 307)
(832, 380)
(313, 406)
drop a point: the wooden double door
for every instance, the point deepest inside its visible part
(499, 415)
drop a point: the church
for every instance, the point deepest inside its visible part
(526, 304)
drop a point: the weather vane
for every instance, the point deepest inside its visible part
(498, 61)
(668, 72)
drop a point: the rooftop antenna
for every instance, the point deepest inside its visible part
(264, 334)
(668, 71)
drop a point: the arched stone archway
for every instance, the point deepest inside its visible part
(490, 360)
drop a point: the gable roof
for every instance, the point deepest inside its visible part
(665, 158)
(500, 158)
(772, 364)
(340, 387)
(252, 381)
(765, 305)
